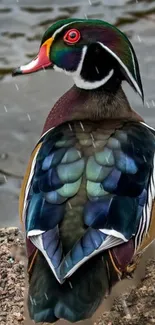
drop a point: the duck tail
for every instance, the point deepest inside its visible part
(76, 299)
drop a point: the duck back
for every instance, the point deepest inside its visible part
(85, 195)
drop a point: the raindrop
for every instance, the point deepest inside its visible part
(139, 39)
(66, 263)
(4, 155)
(153, 103)
(5, 178)
(31, 300)
(90, 2)
(70, 127)
(17, 87)
(93, 140)
(46, 296)
(82, 127)
(147, 104)
(126, 309)
(69, 204)
(92, 136)
(5, 109)
(34, 302)
(29, 117)
(97, 70)
(86, 16)
(144, 159)
(70, 284)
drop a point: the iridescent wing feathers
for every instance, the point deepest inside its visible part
(91, 189)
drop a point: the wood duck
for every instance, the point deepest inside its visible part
(87, 199)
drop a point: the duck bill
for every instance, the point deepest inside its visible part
(41, 61)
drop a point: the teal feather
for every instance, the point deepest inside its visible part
(66, 172)
(70, 189)
(71, 155)
(95, 189)
(105, 157)
(96, 172)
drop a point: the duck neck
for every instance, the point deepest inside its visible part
(96, 104)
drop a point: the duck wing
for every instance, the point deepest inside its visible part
(89, 187)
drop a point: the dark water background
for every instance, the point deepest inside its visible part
(26, 101)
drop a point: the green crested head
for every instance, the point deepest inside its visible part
(93, 52)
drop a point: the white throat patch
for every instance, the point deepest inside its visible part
(81, 83)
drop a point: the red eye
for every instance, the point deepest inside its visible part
(72, 36)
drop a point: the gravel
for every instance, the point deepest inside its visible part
(12, 278)
(134, 308)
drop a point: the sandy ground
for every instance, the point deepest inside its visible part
(137, 307)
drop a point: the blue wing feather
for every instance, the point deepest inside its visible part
(49, 181)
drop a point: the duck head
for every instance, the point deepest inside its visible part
(93, 52)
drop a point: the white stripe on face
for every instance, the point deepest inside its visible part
(81, 83)
(62, 27)
(124, 67)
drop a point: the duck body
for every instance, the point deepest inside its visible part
(87, 197)
(87, 194)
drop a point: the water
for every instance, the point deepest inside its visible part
(26, 101)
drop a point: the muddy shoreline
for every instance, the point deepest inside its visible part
(134, 308)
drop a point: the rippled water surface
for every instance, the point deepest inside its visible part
(25, 102)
